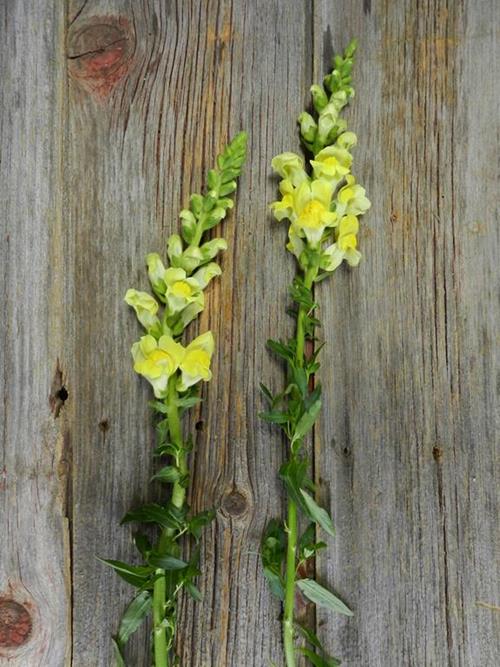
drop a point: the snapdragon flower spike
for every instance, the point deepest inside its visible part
(175, 370)
(322, 202)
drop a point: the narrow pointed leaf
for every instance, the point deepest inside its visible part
(167, 562)
(322, 596)
(306, 421)
(117, 654)
(317, 513)
(134, 615)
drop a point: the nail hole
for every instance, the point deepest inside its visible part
(437, 453)
(62, 394)
(58, 392)
(104, 425)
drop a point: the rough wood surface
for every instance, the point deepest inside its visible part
(111, 112)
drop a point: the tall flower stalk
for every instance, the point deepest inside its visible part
(175, 372)
(322, 202)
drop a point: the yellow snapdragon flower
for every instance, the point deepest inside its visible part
(156, 272)
(181, 290)
(195, 364)
(334, 162)
(308, 209)
(157, 361)
(145, 307)
(290, 167)
(351, 199)
(345, 246)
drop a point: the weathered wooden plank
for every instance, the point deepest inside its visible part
(263, 72)
(34, 545)
(406, 454)
(92, 178)
(140, 137)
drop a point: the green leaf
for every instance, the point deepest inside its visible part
(188, 401)
(322, 596)
(142, 543)
(281, 349)
(163, 516)
(273, 551)
(306, 421)
(117, 654)
(319, 660)
(275, 582)
(274, 417)
(134, 615)
(308, 635)
(300, 379)
(294, 475)
(137, 575)
(194, 592)
(199, 521)
(158, 406)
(267, 392)
(318, 514)
(167, 562)
(168, 474)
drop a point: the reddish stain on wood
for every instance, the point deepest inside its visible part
(99, 53)
(15, 624)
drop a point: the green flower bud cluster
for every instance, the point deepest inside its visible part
(328, 102)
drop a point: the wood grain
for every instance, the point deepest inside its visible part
(34, 544)
(111, 112)
(408, 452)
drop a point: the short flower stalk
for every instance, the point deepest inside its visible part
(175, 371)
(322, 202)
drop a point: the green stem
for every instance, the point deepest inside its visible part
(159, 632)
(288, 633)
(291, 551)
(178, 499)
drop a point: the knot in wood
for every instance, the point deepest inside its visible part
(15, 624)
(234, 504)
(99, 53)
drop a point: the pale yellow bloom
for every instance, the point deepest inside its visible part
(345, 247)
(195, 364)
(351, 199)
(334, 162)
(295, 244)
(157, 361)
(311, 210)
(181, 291)
(290, 167)
(145, 307)
(308, 209)
(156, 272)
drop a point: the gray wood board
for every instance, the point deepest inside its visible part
(111, 113)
